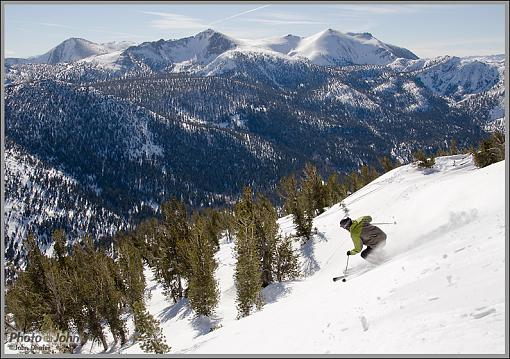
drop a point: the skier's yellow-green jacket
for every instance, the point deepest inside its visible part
(364, 233)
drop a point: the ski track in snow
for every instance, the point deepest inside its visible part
(443, 291)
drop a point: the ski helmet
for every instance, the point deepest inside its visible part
(345, 223)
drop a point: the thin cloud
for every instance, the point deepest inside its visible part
(174, 21)
(284, 19)
(284, 22)
(10, 52)
(55, 25)
(117, 34)
(238, 14)
(376, 9)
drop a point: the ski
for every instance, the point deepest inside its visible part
(360, 271)
(356, 273)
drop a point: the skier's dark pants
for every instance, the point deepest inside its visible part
(369, 249)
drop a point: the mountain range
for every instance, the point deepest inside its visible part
(328, 47)
(115, 129)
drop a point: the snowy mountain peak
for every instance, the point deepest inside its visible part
(333, 48)
(209, 33)
(329, 31)
(77, 40)
(73, 49)
(206, 35)
(183, 53)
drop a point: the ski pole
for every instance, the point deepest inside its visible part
(345, 271)
(384, 222)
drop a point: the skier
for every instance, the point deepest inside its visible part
(364, 233)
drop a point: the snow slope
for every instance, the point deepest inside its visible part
(442, 292)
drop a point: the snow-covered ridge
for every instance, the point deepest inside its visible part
(334, 48)
(455, 77)
(194, 50)
(326, 48)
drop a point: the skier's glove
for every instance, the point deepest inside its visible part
(348, 253)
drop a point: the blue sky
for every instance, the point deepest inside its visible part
(427, 30)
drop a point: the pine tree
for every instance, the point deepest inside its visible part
(148, 331)
(303, 217)
(453, 147)
(228, 220)
(355, 181)
(368, 174)
(35, 265)
(145, 240)
(77, 301)
(386, 163)
(491, 150)
(423, 160)
(26, 305)
(60, 245)
(247, 272)
(173, 235)
(288, 191)
(335, 192)
(441, 152)
(91, 294)
(286, 260)
(57, 287)
(298, 203)
(203, 291)
(113, 299)
(313, 188)
(266, 232)
(130, 265)
(97, 293)
(215, 223)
